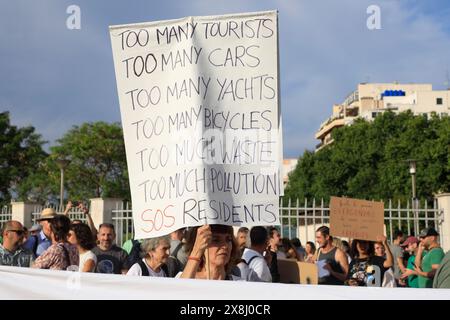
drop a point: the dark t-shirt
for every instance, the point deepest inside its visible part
(274, 267)
(110, 261)
(329, 258)
(362, 269)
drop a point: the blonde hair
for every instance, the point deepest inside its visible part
(338, 244)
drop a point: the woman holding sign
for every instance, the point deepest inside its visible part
(222, 253)
(368, 269)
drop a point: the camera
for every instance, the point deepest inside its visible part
(75, 203)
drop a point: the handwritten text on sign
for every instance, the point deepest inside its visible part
(356, 219)
(199, 106)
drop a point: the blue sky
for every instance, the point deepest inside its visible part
(53, 78)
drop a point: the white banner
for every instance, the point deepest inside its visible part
(200, 112)
(26, 283)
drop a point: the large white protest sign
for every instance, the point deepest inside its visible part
(199, 106)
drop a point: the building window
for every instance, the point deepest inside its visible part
(444, 114)
(438, 100)
(374, 114)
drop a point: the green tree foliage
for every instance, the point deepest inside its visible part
(97, 165)
(367, 160)
(20, 153)
(42, 185)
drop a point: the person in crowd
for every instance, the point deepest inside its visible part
(346, 247)
(299, 248)
(274, 243)
(222, 253)
(336, 262)
(411, 245)
(85, 210)
(389, 279)
(11, 251)
(338, 243)
(256, 256)
(110, 258)
(289, 250)
(380, 250)
(43, 241)
(35, 230)
(242, 239)
(365, 264)
(397, 252)
(128, 245)
(442, 276)
(61, 254)
(153, 263)
(427, 266)
(133, 248)
(177, 246)
(80, 235)
(310, 249)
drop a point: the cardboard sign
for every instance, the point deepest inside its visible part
(199, 106)
(308, 273)
(356, 219)
(293, 271)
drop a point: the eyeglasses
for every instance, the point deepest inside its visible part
(19, 232)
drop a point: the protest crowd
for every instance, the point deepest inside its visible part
(251, 255)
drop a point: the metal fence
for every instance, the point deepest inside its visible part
(122, 219)
(73, 214)
(301, 219)
(5, 215)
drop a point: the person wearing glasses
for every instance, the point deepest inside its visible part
(42, 241)
(11, 252)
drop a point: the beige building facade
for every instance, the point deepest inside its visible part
(289, 165)
(371, 99)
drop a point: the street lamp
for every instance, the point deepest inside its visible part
(412, 171)
(62, 164)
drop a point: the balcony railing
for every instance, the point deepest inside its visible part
(354, 96)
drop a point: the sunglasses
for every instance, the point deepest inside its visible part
(19, 232)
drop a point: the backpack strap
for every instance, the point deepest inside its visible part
(177, 248)
(144, 269)
(251, 259)
(166, 270)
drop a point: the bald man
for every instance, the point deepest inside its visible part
(11, 252)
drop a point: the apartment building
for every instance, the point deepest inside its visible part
(371, 99)
(289, 165)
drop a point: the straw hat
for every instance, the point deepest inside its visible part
(47, 214)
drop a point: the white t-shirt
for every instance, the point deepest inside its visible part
(136, 270)
(84, 257)
(258, 264)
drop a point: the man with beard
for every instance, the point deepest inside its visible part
(110, 258)
(336, 262)
(11, 252)
(427, 266)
